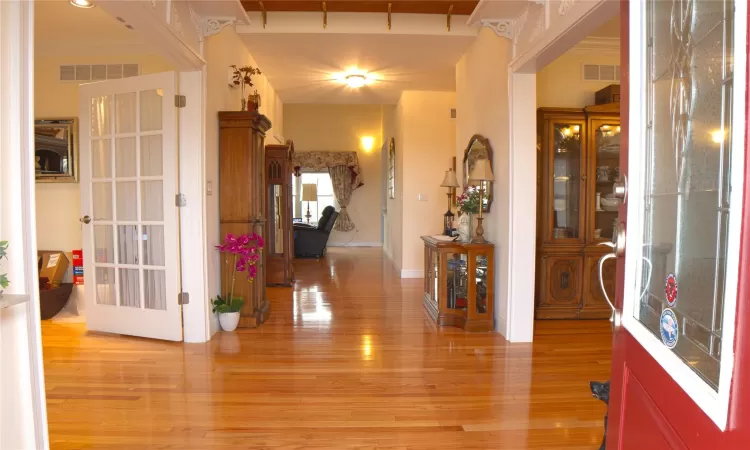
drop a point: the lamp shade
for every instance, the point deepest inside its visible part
(309, 192)
(482, 171)
(450, 179)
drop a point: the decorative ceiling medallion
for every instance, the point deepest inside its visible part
(501, 27)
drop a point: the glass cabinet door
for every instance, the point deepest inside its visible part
(566, 163)
(605, 170)
(457, 280)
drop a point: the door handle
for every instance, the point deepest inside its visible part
(620, 188)
(602, 260)
(85, 219)
(618, 240)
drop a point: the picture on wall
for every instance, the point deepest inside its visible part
(56, 150)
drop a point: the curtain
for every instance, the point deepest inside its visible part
(319, 161)
(341, 178)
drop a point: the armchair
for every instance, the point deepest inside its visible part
(310, 241)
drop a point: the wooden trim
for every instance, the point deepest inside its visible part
(462, 7)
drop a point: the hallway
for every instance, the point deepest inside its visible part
(348, 360)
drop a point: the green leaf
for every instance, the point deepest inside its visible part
(4, 280)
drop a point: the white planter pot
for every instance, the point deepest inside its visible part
(229, 321)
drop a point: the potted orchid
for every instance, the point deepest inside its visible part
(243, 253)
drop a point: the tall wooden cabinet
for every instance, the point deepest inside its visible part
(242, 195)
(279, 232)
(578, 158)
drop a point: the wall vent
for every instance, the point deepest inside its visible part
(98, 72)
(604, 72)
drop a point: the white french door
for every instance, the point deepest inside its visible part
(128, 161)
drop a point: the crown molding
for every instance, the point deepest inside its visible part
(501, 27)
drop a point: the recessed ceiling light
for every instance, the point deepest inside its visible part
(82, 3)
(354, 78)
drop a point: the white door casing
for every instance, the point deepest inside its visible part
(129, 172)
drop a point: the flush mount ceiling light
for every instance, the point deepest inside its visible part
(354, 78)
(82, 3)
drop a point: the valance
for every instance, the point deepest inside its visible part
(322, 161)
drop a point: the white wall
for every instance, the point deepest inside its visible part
(220, 52)
(482, 108)
(338, 128)
(561, 82)
(425, 146)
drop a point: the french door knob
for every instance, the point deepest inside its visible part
(620, 188)
(85, 219)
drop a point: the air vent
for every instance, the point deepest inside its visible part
(594, 72)
(98, 72)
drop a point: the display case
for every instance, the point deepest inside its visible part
(279, 231)
(459, 283)
(578, 163)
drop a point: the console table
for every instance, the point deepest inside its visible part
(451, 296)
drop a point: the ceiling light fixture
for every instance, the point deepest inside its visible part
(354, 78)
(82, 3)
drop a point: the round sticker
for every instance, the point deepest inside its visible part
(670, 289)
(669, 328)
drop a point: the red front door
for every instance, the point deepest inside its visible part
(681, 358)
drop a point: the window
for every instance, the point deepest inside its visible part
(325, 195)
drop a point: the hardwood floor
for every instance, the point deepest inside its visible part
(348, 360)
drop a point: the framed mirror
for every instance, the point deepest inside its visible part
(56, 150)
(478, 148)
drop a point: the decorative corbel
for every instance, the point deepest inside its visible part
(389, 16)
(209, 26)
(448, 19)
(501, 27)
(325, 16)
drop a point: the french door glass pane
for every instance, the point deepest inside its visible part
(566, 181)
(101, 116)
(152, 201)
(126, 200)
(151, 109)
(130, 290)
(155, 289)
(125, 157)
(127, 244)
(104, 247)
(101, 158)
(151, 156)
(687, 178)
(153, 245)
(105, 286)
(101, 193)
(125, 112)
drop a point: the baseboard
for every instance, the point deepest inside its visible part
(405, 273)
(355, 244)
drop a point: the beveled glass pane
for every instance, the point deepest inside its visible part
(607, 141)
(152, 200)
(155, 289)
(151, 110)
(105, 286)
(436, 275)
(277, 212)
(130, 288)
(125, 157)
(153, 245)
(125, 107)
(457, 280)
(566, 181)
(101, 158)
(481, 283)
(101, 196)
(127, 244)
(687, 178)
(101, 116)
(151, 155)
(104, 244)
(126, 200)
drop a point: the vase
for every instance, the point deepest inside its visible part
(253, 101)
(229, 321)
(244, 99)
(465, 227)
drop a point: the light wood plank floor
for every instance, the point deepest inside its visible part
(348, 360)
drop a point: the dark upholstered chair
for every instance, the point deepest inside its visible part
(310, 241)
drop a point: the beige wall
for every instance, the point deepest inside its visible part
(482, 108)
(58, 205)
(425, 145)
(338, 128)
(561, 82)
(220, 52)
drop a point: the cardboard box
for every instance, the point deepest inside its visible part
(54, 266)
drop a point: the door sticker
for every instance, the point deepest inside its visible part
(669, 328)
(670, 289)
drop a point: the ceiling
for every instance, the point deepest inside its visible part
(610, 29)
(300, 66)
(464, 7)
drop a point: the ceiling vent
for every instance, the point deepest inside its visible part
(595, 72)
(98, 72)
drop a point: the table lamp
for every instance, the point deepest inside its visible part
(309, 194)
(481, 172)
(451, 183)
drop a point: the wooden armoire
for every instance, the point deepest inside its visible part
(578, 163)
(279, 232)
(242, 196)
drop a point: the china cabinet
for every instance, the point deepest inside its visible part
(578, 162)
(279, 232)
(459, 283)
(242, 195)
